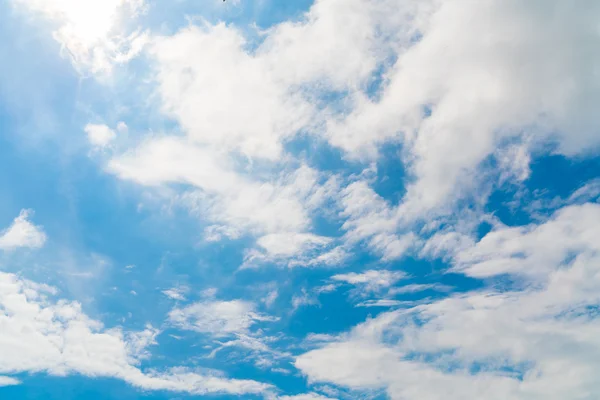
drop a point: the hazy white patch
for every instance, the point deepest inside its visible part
(372, 280)
(381, 303)
(177, 293)
(270, 298)
(99, 135)
(218, 317)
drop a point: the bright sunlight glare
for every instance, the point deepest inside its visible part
(88, 29)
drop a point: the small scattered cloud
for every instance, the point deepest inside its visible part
(100, 136)
(8, 381)
(22, 233)
(372, 280)
(177, 293)
(219, 318)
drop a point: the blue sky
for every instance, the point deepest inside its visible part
(338, 199)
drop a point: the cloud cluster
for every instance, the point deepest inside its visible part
(470, 93)
(56, 337)
(537, 340)
(452, 98)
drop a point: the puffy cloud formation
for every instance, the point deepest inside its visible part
(462, 96)
(537, 340)
(22, 233)
(56, 337)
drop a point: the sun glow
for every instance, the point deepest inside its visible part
(90, 31)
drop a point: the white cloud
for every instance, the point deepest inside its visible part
(40, 335)
(234, 325)
(122, 127)
(305, 299)
(219, 318)
(536, 340)
(228, 197)
(176, 293)
(371, 280)
(232, 83)
(270, 298)
(523, 76)
(215, 233)
(231, 102)
(416, 287)
(22, 233)
(443, 244)
(287, 244)
(535, 249)
(7, 381)
(381, 303)
(306, 396)
(99, 135)
(372, 219)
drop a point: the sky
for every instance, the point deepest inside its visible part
(300, 200)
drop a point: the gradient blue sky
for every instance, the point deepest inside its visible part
(338, 199)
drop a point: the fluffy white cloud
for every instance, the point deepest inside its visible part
(536, 249)
(371, 219)
(279, 209)
(99, 135)
(536, 340)
(22, 233)
(56, 337)
(7, 381)
(481, 74)
(232, 102)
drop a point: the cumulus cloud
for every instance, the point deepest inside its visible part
(533, 341)
(279, 209)
(42, 335)
(455, 97)
(22, 233)
(444, 110)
